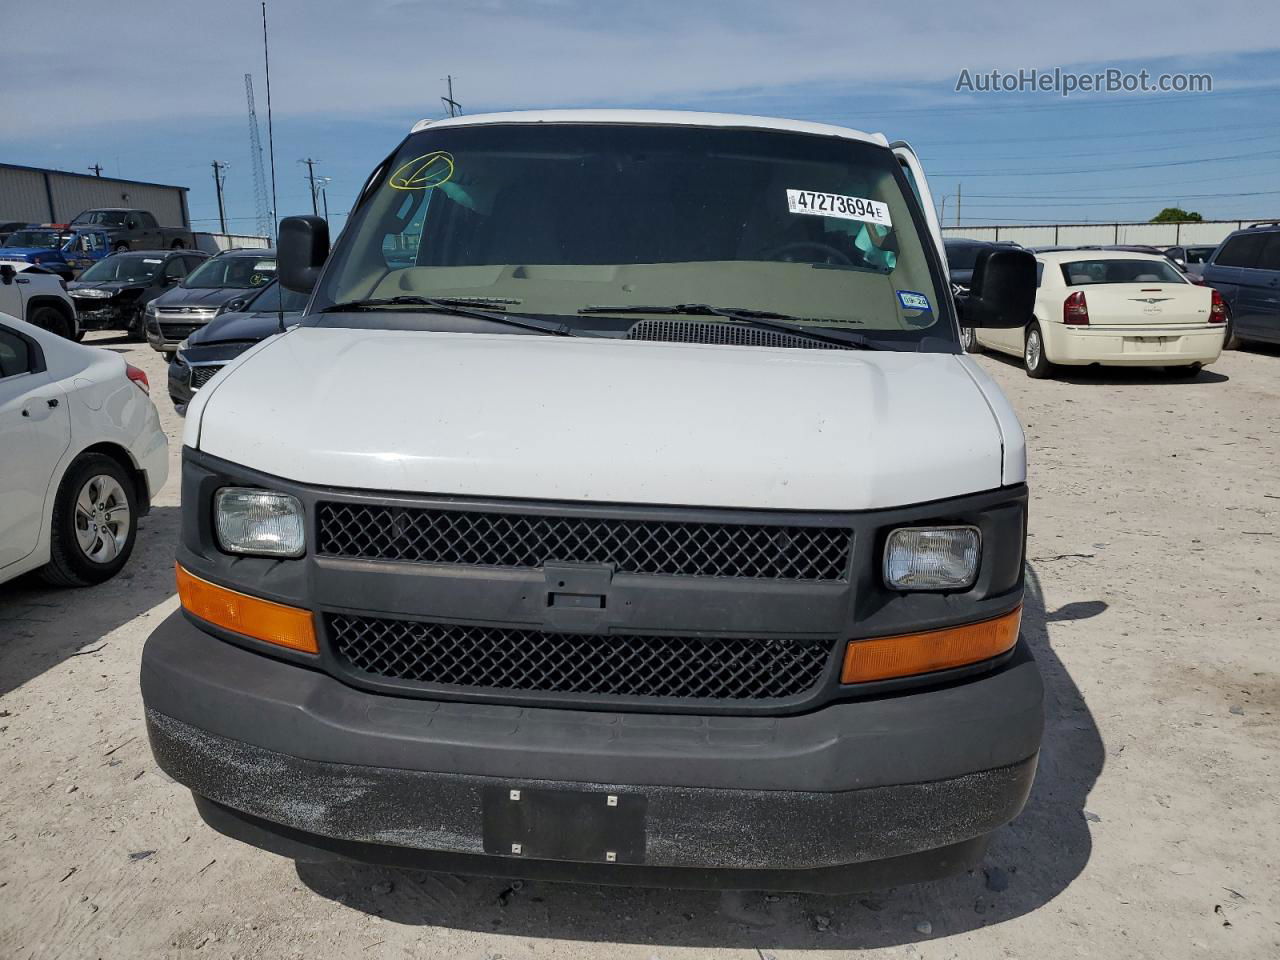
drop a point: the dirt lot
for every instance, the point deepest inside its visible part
(1153, 830)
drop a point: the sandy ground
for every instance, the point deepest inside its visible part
(1153, 829)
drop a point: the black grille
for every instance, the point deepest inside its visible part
(733, 334)
(616, 666)
(201, 375)
(428, 535)
(178, 331)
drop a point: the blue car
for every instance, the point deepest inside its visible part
(62, 250)
(1245, 269)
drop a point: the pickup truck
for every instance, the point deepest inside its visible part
(130, 229)
(643, 524)
(58, 248)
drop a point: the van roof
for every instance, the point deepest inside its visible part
(688, 118)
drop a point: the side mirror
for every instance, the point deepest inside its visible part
(1003, 292)
(301, 252)
(172, 281)
(7, 273)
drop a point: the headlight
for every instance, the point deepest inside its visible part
(259, 522)
(932, 558)
(150, 309)
(92, 293)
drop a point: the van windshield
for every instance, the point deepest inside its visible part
(553, 219)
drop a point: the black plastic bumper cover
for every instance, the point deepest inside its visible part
(916, 780)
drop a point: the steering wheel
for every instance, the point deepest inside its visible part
(833, 255)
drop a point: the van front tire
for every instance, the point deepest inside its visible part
(1034, 360)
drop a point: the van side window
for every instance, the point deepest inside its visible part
(1269, 258)
(15, 355)
(1241, 250)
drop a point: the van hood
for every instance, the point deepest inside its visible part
(606, 420)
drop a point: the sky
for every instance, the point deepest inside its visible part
(155, 90)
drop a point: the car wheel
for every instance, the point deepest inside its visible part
(178, 245)
(95, 523)
(1034, 360)
(969, 340)
(122, 245)
(80, 332)
(135, 331)
(51, 319)
(1230, 340)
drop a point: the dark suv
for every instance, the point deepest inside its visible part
(1245, 269)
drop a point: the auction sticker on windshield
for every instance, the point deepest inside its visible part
(837, 205)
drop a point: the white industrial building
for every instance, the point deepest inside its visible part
(37, 195)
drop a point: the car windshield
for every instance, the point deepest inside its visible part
(550, 220)
(963, 256)
(238, 273)
(270, 300)
(47, 239)
(108, 218)
(1081, 272)
(123, 268)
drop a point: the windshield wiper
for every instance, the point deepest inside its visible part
(459, 307)
(762, 319)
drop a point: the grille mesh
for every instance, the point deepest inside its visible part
(618, 666)
(178, 331)
(202, 375)
(733, 334)
(428, 535)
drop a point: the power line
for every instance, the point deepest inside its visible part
(1106, 153)
(1135, 166)
(1129, 135)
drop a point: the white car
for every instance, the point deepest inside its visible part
(81, 455)
(37, 296)
(1114, 308)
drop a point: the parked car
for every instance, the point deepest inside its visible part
(563, 569)
(31, 293)
(962, 254)
(132, 229)
(115, 292)
(9, 226)
(1190, 259)
(59, 249)
(222, 284)
(1245, 269)
(227, 336)
(83, 455)
(1113, 308)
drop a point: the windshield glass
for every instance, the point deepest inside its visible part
(123, 267)
(269, 300)
(1081, 272)
(552, 219)
(48, 239)
(239, 273)
(963, 256)
(108, 218)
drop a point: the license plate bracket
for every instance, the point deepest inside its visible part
(586, 827)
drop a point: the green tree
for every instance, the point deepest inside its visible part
(1174, 215)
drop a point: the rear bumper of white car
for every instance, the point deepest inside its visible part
(1133, 346)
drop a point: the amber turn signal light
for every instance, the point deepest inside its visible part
(909, 654)
(248, 616)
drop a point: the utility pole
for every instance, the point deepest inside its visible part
(452, 105)
(959, 197)
(942, 212)
(311, 176)
(97, 169)
(218, 178)
(323, 184)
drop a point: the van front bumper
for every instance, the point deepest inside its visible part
(856, 795)
(1134, 346)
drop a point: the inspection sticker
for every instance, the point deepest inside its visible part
(836, 205)
(911, 300)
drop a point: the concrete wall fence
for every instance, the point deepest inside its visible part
(37, 195)
(1202, 232)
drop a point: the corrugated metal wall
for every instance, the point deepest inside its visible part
(217, 242)
(1069, 234)
(25, 194)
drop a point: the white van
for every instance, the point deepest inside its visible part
(623, 509)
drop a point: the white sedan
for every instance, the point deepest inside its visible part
(81, 455)
(1113, 308)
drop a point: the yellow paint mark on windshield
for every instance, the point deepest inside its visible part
(423, 173)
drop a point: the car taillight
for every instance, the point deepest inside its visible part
(1075, 311)
(1218, 310)
(139, 377)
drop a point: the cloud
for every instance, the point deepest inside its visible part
(84, 66)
